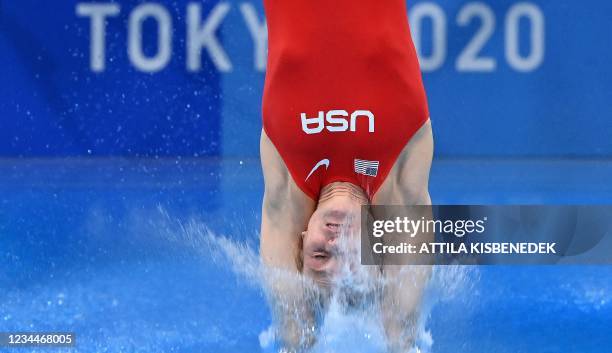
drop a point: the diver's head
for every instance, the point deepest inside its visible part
(330, 243)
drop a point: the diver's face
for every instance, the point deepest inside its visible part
(330, 240)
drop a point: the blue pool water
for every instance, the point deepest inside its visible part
(159, 256)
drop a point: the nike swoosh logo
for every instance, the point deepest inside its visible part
(323, 162)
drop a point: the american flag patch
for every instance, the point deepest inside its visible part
(368, 168)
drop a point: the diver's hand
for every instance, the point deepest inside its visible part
(401, 333)
(402, 295)
(292, 300)
(296, 336)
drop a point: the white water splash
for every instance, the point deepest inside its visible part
(346, 327)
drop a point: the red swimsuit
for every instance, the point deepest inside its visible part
(343, 92)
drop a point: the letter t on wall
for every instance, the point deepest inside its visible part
(97, 13)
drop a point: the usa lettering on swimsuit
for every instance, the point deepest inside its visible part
(336, 121)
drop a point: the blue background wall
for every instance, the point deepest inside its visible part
(52, 103)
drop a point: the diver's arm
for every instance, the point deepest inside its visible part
(407, 184)
(285, 214)
(285, 211)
